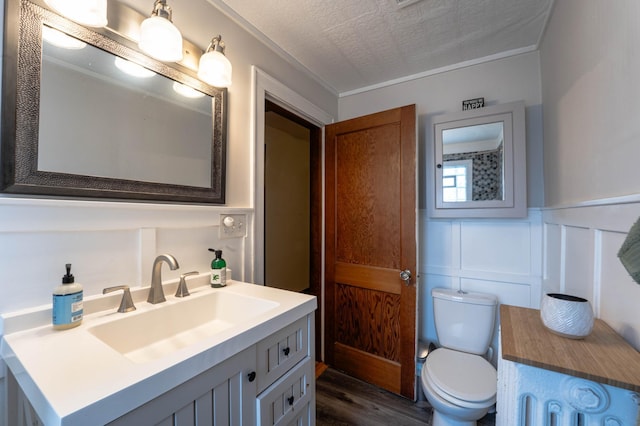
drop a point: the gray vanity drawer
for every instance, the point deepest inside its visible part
(281, 351)
(286, 402)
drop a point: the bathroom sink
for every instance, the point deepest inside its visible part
(152, 334)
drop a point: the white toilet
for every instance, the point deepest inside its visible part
(458, 382)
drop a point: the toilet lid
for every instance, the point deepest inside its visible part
(464, 376)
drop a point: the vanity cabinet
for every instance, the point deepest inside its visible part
(272, 382)
(286, 376)
(277, 372)
(223, 395)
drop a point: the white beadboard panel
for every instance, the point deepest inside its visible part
(190, 248)
(610, 214)
(440, 244)
(108, 243)
(32, 264)
(503, 246)
(578, 262)
(590, 237)
(507, 293)
(500, 257)
(553, 258)
(619, 293)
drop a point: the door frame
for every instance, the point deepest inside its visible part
(266, 87)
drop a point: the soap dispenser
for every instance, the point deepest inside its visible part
(67, 302)
(218, 270)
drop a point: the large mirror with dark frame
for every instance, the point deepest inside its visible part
(97, 118)
(479, 167)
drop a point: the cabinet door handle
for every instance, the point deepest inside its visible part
(290, 400)
(252, 376)
(286, 351)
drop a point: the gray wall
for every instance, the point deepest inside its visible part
(590, 62)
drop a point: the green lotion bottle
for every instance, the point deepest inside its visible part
(218, 270)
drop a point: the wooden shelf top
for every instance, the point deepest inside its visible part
(603, 356)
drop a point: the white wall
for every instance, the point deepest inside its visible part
(199, 21)
(35, 236)
(112, 243)
(590, 60)
(502, 257)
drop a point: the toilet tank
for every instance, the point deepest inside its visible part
(464, 321)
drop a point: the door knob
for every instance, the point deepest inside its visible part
(406, 276)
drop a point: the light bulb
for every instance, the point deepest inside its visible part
(215, 69)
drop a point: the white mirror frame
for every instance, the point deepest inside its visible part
(514, 202)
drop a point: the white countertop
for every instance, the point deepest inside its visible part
(73, 378)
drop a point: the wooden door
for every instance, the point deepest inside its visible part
(370, 225)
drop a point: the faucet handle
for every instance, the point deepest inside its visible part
(182, 290)
(126, 304)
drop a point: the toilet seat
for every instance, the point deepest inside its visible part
(464, 379)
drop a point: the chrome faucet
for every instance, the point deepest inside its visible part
(156, 294)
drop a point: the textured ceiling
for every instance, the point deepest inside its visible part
(354, 44)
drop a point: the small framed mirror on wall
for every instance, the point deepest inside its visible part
(478, 167)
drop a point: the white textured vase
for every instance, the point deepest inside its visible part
(568, 316)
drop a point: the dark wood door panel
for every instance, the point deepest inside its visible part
(367, 183)
(371, 277)
(368, 320)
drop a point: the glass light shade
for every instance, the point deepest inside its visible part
(92, 13)
(215, 69)
(160, 39)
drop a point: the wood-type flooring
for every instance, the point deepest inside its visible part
(344, 400)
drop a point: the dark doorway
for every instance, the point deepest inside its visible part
(293, 204)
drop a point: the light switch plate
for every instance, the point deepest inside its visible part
(233, 225)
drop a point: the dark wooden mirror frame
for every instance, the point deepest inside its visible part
(20, 115)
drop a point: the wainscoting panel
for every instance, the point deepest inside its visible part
(580, 258)
(108, 243)
(501, 257)
(190, 247)
(619, 295)
(503, 247)
(552, 270)
(33, 263)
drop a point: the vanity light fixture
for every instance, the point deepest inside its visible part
(159, 38)
(132, 68)
(215, 68)
(186, 91)
(91, 13)
(60, 39)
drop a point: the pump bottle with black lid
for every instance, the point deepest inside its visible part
(67, 302)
